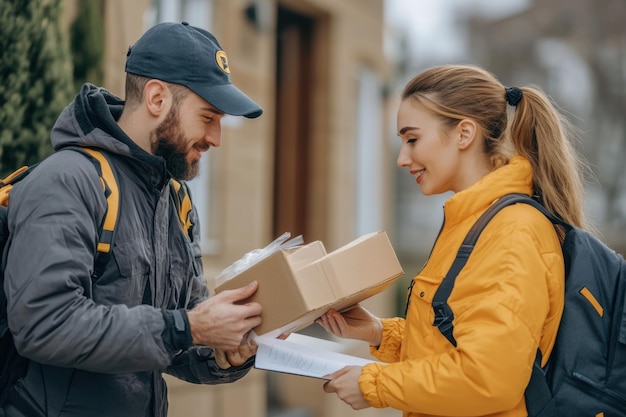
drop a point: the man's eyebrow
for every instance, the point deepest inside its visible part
(406, 129)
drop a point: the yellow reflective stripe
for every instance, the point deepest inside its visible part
(594, 302)
(113, 199)
(104, 247)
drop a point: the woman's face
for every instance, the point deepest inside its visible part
(428, 151)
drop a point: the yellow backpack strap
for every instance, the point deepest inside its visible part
(7, 183)
(111, 192)
(183, 205)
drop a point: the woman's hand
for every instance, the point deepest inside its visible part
(345, 383)
(355, 323)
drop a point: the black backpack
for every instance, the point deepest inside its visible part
(586, 372)
(12, 365)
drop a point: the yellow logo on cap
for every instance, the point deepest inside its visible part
(222, 61)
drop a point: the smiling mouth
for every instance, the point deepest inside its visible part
(418, 175)
(202, 147)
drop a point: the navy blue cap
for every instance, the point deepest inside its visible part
(183, 54)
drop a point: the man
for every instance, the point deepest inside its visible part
(97, 345)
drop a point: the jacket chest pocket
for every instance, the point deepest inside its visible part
(422, 291)
(177, 294)
(127, 273)
(420, 316)
(181, 270)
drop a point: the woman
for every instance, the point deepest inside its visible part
(463, 131)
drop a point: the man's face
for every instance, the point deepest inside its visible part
(189, 129)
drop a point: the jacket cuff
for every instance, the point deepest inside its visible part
(368, 385)
(177, 332)
(391, 341)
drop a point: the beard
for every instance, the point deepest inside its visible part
(169, 142)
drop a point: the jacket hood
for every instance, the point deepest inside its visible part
(90, 120)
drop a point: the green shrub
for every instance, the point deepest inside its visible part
(35, 79)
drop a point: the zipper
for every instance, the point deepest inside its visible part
(410, 289)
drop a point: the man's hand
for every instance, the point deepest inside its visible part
(223, 322)
(240, 356)
(236, 357)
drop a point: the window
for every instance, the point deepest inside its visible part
(196, 12)
(369, 153)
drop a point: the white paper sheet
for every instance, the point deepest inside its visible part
(303, 355)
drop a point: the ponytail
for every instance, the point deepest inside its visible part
(542, 135)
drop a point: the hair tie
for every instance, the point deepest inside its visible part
(513, 95)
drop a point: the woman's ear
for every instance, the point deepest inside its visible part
(466, 133)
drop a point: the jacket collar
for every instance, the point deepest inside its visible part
(515, 177)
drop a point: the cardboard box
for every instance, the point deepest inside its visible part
(298, 285)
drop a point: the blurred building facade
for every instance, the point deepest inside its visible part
(313, 164)
(576, 51)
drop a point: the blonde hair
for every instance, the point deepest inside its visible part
(536, 130)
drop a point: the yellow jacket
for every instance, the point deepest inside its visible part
(507, 301)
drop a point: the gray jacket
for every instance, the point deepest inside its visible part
(98, 345)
